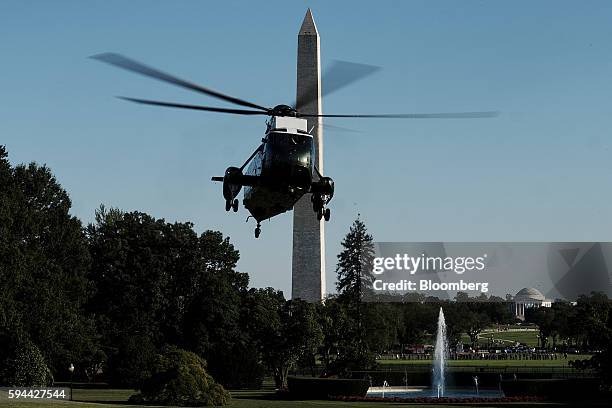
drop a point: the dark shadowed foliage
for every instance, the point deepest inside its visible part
(43, 266)
(180, 378)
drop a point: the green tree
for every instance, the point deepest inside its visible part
(564, 312)
(43, 266)
(354, 264)
(416, 321)
(382, 325)
(213, 325)
(134, 257)
(353, 281)
(160, 283)
(336, 326)
(475, 322)
(543, 317)
(286, 331)
(593, 316)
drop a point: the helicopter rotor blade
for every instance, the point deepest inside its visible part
(337, 76)
(343, 73)
(455, 115)
(194, 107)
(335, 128)
(137, 67)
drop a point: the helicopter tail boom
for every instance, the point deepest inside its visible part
(239, 180)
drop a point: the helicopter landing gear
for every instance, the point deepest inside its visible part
(231, 205)
(318, 205)
(323, 213)
(257, 230)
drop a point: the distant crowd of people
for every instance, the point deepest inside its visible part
(523, 355)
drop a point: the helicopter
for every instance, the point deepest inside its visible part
(281, 170)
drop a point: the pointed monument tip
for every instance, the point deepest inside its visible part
(308, 25)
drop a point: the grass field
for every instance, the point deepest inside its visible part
(112, 398)
(561, 362)
(505, 338)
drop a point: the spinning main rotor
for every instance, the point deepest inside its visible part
(338, 76)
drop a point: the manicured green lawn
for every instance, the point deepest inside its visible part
(113, 398)
(505, 338)
(102, 395)
(91, 398)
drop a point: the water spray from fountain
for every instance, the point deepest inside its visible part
(440, 357)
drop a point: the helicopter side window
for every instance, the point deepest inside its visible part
(299, 139)
(288, 140)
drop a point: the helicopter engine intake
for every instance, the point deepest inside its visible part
(231, 187)
(323, 187)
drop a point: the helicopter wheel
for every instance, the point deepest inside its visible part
(319, 214)
(327, 214)
(317, 204)
(235, 205)
(257, 231)
(228, 205)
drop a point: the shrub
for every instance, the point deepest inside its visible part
(323, 388)
(29, 368)
(180, 378)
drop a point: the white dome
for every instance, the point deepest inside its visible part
(526, 295)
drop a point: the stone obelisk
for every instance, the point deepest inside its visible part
(308, 261)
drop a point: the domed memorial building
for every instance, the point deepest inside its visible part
(527, 298)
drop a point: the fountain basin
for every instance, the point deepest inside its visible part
(426, 392)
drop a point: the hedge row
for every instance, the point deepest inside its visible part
(552, 389)
(324, 388)
(447, 400)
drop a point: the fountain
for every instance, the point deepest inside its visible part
(438, 380)
(440, 357)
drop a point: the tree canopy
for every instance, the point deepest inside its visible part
(44, 262)
(115, 295)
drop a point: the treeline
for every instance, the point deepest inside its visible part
(112, 296)
(585, 325)
(109, 296)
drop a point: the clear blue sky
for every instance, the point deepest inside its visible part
(541, 171)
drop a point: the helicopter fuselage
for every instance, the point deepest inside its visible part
(280, 172)
(283, 166)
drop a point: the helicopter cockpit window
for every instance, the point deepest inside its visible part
(287, 139)
(287, 145)
(299, 139)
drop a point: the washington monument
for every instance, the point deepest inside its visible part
(308, 260)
